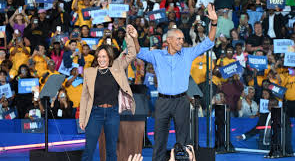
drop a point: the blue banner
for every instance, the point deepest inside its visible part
(258, 62)
(118, 10)
(26, 85)
(44, 1)
(289, 59)
(6, 91)
(86, 12)
(100, 16)
(92, 42)
(117, 2)
(32, 126)
(272, 4)
(96, 32)
(283, 45)
(277, 90)
(231, 69)
(158, 16)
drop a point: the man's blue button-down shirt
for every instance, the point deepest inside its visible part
(173, 71)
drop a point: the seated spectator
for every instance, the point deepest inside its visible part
(19, 54)
(61, 106)
(7, 111)
(73, 55)
(73, 86)
(247, 107)
(36, 110)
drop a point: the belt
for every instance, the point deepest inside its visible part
(172, 96)
(105, 105)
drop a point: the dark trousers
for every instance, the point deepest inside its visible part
(109, 119)
(165, 109)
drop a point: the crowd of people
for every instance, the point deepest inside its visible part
(33, 47)
(38, 42)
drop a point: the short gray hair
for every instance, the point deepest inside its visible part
(171, 32)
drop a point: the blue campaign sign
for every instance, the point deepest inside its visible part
(157, 16)
(283, 45)
(5, 90)
(86, 12)
(100, 16)
(231, 69)
(272, 4)
(26, 85)
(96, 32)
(258, 62)
(277, 90)
(289, 59)
(92, 42)
(263, 107)
(117, 2)
(10, 114)
(118, 10)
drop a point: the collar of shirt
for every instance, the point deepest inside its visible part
(167, 53)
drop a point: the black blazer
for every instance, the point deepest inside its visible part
(278, 25)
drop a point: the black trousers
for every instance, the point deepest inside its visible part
(166, 109)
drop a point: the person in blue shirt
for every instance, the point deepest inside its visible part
(172, 67)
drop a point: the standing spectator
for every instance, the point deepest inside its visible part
(51, 70)
(59, 17)
(240, 55)
(19, 54)
(197, 32)
(61, 106)
(57, 54)
(244, 29)
(87, 56)
(43, 21)
(235, 38)
(170, 6)
(22, 101)
(227, 59)
(76, 36)
(247, 107)
(272, 24)
(18, 21)
(232, 90)
(73, 55)
(254, 42)
(16, 36)
(220, 46)
(108, 39)
(35, 34)
(224, 24)
(73, 86)
(2, 55)
(85, 31)
(77, 6)
(39, 61)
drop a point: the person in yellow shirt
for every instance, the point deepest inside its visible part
(87, 57)
(223, 61)
(19, 54)
(51, 71)
(77, 6)
(38, 61)
(74, 85)
(198, 69)
(108, 39)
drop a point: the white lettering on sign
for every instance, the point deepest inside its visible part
(276, 1)
(257, 61)
(231, 69)
(276, 89)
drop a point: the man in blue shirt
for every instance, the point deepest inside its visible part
(172, 67)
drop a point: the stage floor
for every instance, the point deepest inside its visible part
(147, 155)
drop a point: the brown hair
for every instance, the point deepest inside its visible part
(110, 53)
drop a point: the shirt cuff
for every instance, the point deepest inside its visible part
(243, 136)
